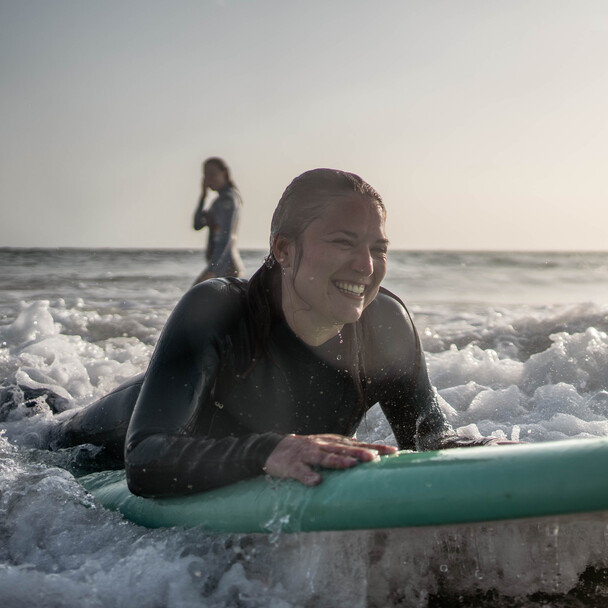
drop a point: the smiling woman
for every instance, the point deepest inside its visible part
(274, 375)
(339, 271)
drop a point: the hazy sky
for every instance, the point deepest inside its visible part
(483, 123)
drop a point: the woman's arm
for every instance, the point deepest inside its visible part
(407, 398)
(410, 402)
(413, 412)
(201, 217)
(163, 455)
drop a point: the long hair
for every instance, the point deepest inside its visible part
(220, 163)
(306, 199)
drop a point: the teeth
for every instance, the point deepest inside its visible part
(351, 288)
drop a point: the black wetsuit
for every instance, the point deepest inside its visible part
(205, 418)
(222, 218)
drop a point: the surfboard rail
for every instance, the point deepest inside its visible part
(461, 485)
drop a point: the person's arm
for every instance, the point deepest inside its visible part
(201, 217)
(163, 456)
(410, 402)
(411, 406)
(399, 380)
(425, 427)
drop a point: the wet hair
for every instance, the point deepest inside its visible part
(222, 166)
(308, 196)
(306, 199)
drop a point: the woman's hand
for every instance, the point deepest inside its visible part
(296, 454)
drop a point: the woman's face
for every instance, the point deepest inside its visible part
(343, 261)
(215, 177)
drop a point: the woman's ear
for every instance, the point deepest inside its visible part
(282, 251)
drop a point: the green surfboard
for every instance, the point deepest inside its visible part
(408, 489)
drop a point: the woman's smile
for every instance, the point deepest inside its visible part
(350, 289)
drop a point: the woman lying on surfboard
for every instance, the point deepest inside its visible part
(273, 375)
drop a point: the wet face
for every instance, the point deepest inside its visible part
(343, 261)
(215, 177)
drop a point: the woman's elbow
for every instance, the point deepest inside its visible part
(146, 483)
(144, 476)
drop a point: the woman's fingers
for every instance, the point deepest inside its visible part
(334, 460)
(360, 450)
(382, 449)
(356, 452)
(335, 439)
(304, 474)
(294, 455)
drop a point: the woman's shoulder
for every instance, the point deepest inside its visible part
(215, 300)
(221, 289)
(387, 303)
(389, 316)
(390, 329)
(227, 197)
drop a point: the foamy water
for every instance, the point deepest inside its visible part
(516, 345)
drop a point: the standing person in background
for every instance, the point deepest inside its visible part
(222, 218)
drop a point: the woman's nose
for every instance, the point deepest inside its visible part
(363, 262)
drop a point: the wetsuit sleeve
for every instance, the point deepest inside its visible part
(414, 413)
(225, 220)
(407, 398)
(163, 454)
(201, 217)
(410, 401)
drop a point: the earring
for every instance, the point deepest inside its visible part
(269, 260)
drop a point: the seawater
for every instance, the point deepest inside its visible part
(516, 345)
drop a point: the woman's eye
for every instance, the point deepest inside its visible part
(343, 242)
